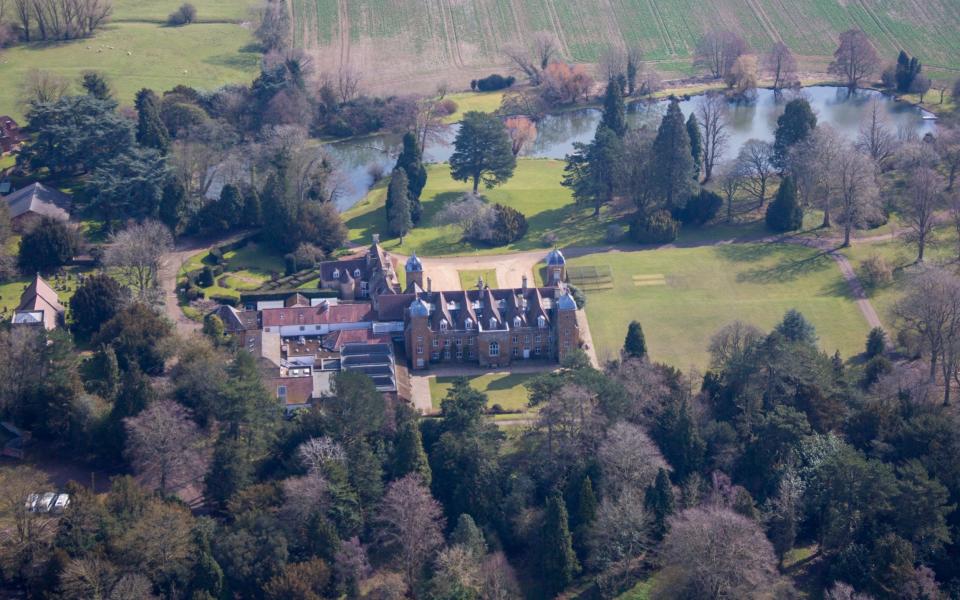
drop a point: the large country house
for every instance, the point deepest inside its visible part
(361, 319)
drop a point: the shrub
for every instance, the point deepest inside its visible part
(658, 228)
(578, 296)
(700, 208)
(614, 234)
(876, 342)
(497, 409)
(875, 369)
(494, 82)
(289, 264)
(216, 255)
(47, 246)
(509, 225)
(875, 272)
(550, 239)
(186, 14)
(206, 277)
(446, 107)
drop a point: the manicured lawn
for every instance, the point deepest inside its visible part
(534, 190)
(10, 292)
(641, 591)
(682, 296)
(479, 101)
(505, 389)
(468, 279)
(247, 268)
(137, 55)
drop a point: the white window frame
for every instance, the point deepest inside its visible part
(494, 348)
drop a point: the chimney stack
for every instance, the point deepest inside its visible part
(524, 283)
(429, 285)
(376, 238)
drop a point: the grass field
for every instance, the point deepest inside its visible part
(479, 101)
(205, 56)
(505, 389)
(534, 190)
(397, 39)
(682, 296)
(468, 279)
(208, 11)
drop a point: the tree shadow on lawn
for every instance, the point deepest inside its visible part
(242, 61)
(786, 270)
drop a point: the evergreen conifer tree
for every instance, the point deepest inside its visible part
(409, 455)
(696, 144)
(635, 345)
(482, 151)
(659, 500)
(614, 110)
(672, 165)
(876, 342)
(173, 203)
(586, 503)
(796, 328)
(411, 161)
(785, 212)
(398, 205)
(252, 212)
(793, 126)
(469, 536)
(559, 564)
(593, 171)
(151, 131)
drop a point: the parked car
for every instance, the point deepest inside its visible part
(31, 503)
(46, 501)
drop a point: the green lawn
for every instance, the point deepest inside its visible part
(205, 56)
(505, 389)
(207, 10)
(10, 292)
(534, 190)
(479, 101)
(641, 591)
(682, 296)
(247, 268)
(468, 279)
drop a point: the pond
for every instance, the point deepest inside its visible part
(557, 133)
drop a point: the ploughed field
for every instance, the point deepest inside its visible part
(398, 38)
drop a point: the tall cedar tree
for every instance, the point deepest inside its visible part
(908, 69)
(252, 211)
(173, 203)
(678, 436)
(672, 169)
(696, 144)
(785, 212)
(96, 85)
(559, 563)
(482, 151)
(411, 161)
(614, 110)
(593, 170)
(398, 205)
(408, 453)
(151, 131)
(793, 126)
(635, 345)
(660, 502)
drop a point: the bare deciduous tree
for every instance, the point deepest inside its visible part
(499, 580)
(780, 63)
(522, 132)
(731, 342)
(474, 217)
(646, 386)
(756, 164)
(875, 138)
(855, 58)
(165, 446)
(731, 181)
(845, 591)
(154, 554)
(39, 87)
(534, 61)
(50, 20)
(546, 48)
(920, 203)
(714, 553)
(628, 459)
(317, 452)
(571, 422)
(931, 309)
(712, 117)
(855, 183)
(947, 143)
(620, 531)
(137, 252)
(742, 75)
(347, 83)
(717, 51)
(17, 374)
(410, 526)
(26, 536)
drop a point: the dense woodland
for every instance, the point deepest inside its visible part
(709, 483)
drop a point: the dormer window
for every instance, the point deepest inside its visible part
(443, 324)
(336, 273)
(542, 322)
(468, 324)
(356, 273)
(493, 322)
(517, 321)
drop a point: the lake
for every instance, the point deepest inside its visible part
(556, 133)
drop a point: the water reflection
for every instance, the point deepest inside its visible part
(557, 133)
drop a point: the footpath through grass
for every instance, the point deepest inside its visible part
(682, 296)
(138, 55)
(534, 190)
